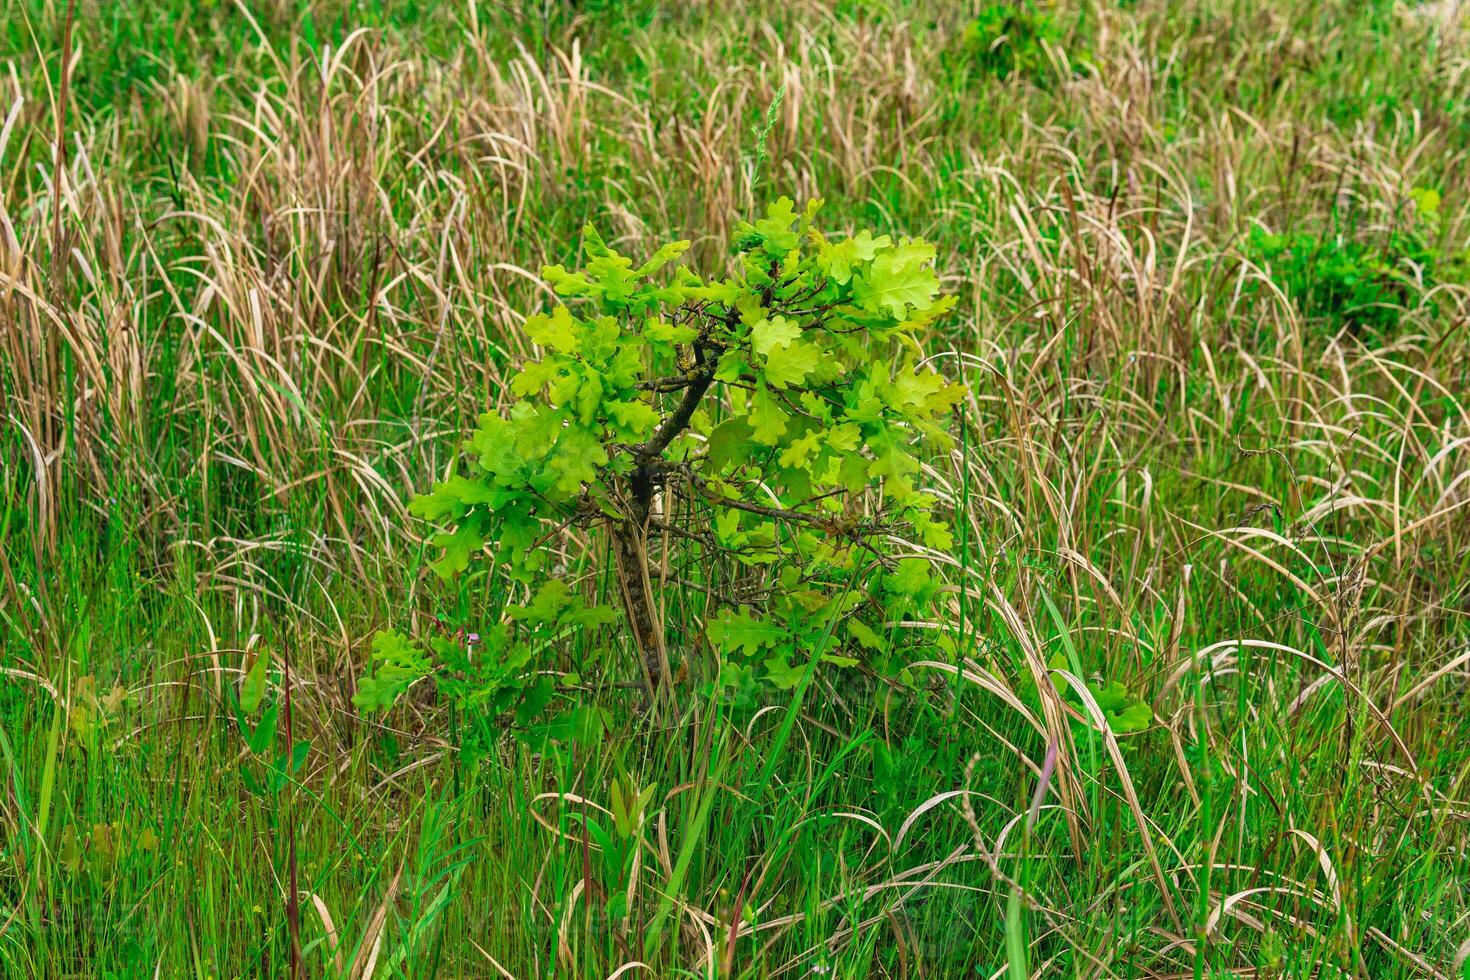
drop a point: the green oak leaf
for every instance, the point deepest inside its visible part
(773, 332)
(844, 257)
(767, 418)
(545, 606)
(458, 545)
(665, 332)
(398, 664)
(737, 632)
(636, 420)
(898, 279)
(732, 441)
(791, 363)
(782, 674)
(557, 331)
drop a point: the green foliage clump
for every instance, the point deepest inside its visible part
(1358, 284)
(1008, 39)
(1124, 711)
(766, 429)
(485, 674)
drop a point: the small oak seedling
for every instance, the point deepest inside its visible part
(756, 438)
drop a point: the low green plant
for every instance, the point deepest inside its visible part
(756, 438)
(1124, 711)
(265, 769)
(1007, 39)
(1346, 282)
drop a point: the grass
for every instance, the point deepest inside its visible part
(284, 260)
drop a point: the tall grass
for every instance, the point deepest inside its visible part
(260, 263)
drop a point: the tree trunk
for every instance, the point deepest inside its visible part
(630, 537)
(630, 549)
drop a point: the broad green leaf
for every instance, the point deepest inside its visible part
(773, 332)
(535, 376)
(732, 366)
(774, 229)
(800, 450)
(1134, 718)
(252, 690)
(790, 364)
(665, 332)
(913, 577)
(920, 390)
(865, 635)
(458, 546)
(898, 279)
(636, 420)
(545, 606)
(1123, 711)
(732, 441)
(70, 853)
(557, 331)
(841, 259)
(767, 417)
(738, 632)
(662, 257)
(398, 664)
(782, 673)
(1426, 200)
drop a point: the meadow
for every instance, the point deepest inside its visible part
(1076, 594)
